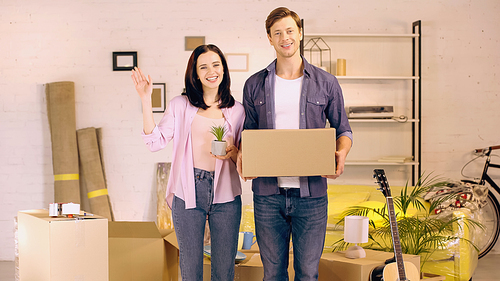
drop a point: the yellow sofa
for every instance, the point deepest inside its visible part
(457, 261)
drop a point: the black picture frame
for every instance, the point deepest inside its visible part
(124, 61)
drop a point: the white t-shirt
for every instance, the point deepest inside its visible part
(287, 109)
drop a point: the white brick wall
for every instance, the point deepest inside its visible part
(44, 41)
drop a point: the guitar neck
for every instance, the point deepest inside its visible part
(398, 253)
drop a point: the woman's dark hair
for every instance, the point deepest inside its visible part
(194, 89)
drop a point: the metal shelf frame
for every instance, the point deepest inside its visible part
(416, 120)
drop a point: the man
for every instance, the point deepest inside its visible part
(292, 94)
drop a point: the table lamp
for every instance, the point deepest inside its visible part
(355, 231)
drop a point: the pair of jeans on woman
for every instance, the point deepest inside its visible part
(224, 223)
(281, 215)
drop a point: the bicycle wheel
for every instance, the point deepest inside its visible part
(491, 222)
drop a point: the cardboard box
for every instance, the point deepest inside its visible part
(62, 249)
(135, 251)
(140, 251)
(336, 267)
(250, 269)
(304, 152)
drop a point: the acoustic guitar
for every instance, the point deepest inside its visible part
(395, 269)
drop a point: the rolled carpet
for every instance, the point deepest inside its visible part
(90, 161)
(62, 122)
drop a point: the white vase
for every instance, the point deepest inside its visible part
(219, 147)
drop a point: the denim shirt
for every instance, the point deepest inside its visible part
(320, 99)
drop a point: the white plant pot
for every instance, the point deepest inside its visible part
(219, 147)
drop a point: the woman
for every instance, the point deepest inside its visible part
(201, 186)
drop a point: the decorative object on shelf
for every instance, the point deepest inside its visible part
(355, 231)
(191, 42)
(341, 67)
(158, 98)
(218, 145)
(124, 61)
(237, 62)
(318, 45)
(370, 111)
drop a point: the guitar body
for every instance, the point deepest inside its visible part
(389, 272)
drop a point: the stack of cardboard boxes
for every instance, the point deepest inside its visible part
(91, 248)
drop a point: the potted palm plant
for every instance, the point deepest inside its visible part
(219, 144)
(421, 234)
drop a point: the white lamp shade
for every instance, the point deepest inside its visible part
(356, 229)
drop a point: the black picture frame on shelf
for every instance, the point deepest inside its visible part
(124, 61)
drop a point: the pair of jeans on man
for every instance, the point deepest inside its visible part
(224, 221)
(281, 215)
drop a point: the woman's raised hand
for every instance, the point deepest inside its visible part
(143, 86)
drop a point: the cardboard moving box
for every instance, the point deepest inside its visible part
(303, 152)
(336, 267)
(135, 251)
(141, 251)
(62, 249)
(251, 269)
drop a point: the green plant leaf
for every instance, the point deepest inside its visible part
(218, 131)
(420, 234)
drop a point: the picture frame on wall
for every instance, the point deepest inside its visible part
(237, 62)
(158, 98)
(191, 42)
(124, 61)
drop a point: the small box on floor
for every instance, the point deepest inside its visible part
(141, 251)
(250, 269)
(336, 267)
(62, 249)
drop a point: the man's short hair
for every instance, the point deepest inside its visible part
(279, 13)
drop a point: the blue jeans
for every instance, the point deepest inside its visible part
(189, 224)
(281, 215)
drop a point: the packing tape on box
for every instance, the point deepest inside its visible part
(79, 233)
(66, 177)
(96, 193)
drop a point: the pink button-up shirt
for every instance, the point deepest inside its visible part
(176, 125)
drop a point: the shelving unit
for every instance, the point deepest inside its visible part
(400, 74)
(377, 77)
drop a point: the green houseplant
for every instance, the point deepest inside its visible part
(219, 144)
(420, 234)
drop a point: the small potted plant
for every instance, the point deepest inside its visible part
(218, 145)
